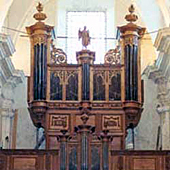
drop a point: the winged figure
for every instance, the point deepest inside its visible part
(85, 37)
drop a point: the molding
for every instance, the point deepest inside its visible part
(161, 41)
(163, 109)
(8, 46)
(8, 74)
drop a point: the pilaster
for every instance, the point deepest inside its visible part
(159, 73)
(9, 80)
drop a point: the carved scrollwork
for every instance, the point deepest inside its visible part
(113, 56)
(58, 56)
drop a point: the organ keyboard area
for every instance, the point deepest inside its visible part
(85, 108)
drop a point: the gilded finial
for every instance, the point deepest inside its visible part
(131, 9)
(39, 7)
(131, 17)
(40, 16)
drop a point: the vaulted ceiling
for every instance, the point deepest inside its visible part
(17, 14)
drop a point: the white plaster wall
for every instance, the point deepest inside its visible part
(146, 131)
(148, 52)
(4, 7)
(152, 15)
(26, 131)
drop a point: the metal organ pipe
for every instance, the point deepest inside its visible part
(131, 72)
(40, 69)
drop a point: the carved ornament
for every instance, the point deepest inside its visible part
(85, 37)
(40, 39)
(131, 17)
(40, 16)
(113, 56)
(131, 40)
(111, 122)
(58, 56)
(59, 121)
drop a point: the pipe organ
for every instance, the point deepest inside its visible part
(85, 108)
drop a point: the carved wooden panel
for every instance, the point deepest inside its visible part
(29, 159)
(90, 120)
(58, 122)
(117, 163)
(2, 163)
(53, 142)
(167, 163)
(144, 164)
(24, 163)
(116, 143)
(111, 122)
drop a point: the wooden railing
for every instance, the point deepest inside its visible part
(29, 160)
(49, 160)
(140, 160)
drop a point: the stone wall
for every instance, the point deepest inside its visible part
(146, 131)
(157, 98)
(16, 128)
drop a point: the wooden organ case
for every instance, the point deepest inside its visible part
(85, 108)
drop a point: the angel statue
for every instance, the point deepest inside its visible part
(85, 37)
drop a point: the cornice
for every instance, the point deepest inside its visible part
(162, 41)
(7, 71)
(154, 73)
(7, 45)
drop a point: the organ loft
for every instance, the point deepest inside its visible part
(85, 108)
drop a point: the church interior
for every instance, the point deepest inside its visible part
(84, 85)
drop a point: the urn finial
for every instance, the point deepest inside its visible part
(131, 17)
(40, 16)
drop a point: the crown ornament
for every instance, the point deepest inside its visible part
(40, 16)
